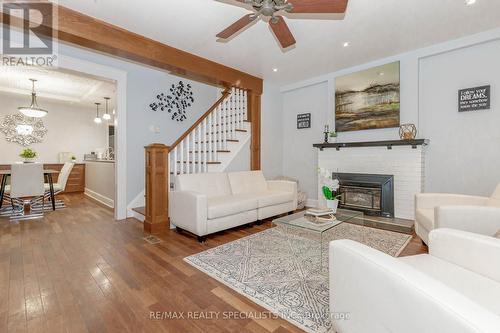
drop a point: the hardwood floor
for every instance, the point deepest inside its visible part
(78, 270)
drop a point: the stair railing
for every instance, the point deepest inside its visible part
(200, 144)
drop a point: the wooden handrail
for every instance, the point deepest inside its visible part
(225, 94)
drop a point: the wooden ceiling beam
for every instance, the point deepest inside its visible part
(85, 31)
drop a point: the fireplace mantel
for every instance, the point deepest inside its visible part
(388, 143)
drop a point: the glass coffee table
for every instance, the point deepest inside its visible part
(297, 224)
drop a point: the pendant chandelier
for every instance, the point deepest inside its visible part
(106, 115)
(33, 110)
(97, 119)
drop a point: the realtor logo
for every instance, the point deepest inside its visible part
(28, 37)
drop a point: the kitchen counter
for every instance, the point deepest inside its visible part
(100, 181)
(100, 161)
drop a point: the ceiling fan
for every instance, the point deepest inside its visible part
(271, 9)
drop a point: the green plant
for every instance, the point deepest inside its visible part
(28, 153)
(329, 194)
(73, 158)
(333, 134)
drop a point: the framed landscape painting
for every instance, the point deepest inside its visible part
(368, 99)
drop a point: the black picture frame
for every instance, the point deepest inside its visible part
(474, 99)
(303, 121)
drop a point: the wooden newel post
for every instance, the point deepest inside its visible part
(156, 188)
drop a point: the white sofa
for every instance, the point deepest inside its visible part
(210, 202)
(470, 213)
(455, 288)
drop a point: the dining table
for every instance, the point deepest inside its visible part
(48, 173)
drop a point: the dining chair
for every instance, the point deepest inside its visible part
(59, 187)
(62, 180)
(26, 182)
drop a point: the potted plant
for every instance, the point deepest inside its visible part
(330, 189)
(73, 159)
(333, 136)
(29, 155)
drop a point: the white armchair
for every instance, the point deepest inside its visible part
(470, 213)
(455, 288)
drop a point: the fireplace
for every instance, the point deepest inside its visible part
(372, 194)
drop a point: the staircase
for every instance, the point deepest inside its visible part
(210, 144)
(215, 139)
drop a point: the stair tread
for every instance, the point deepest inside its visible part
(228, 140)
(228, 131)
(140, 210)
(207, 151)
(196, 162)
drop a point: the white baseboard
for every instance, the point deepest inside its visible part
(135, 215)
(100, 198)
(311, 203)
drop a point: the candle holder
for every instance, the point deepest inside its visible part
(326, 133)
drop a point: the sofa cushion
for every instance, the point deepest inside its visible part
(211, 184)
(483, 291)
(272, 198)
(425, 217)
(247, 182)
(231, 205)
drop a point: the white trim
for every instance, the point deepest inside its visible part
(121, 134)
(479, 38)
(137, 216)
(138, 201)
(99, 197)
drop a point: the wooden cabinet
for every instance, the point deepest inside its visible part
(76, 180)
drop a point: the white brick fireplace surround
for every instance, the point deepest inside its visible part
(405, 163)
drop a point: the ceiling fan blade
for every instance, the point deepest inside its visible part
(282, 32)
(318, 6)
(236, 26)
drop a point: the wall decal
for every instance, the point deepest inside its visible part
(176, 103)
(474, 99)
(303, 121)
(368, 99)
(23, 130)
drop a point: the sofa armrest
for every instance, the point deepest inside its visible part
(474, 252)
(432, 200)
(285, 186)
(188, 210)
(379, 293)
(478, 219)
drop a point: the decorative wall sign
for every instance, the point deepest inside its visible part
(176, 103)
(474, 99)
(23, 130)
(368, 99)
(303, 121)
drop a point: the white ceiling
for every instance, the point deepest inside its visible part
(56, 84)
(375, 29)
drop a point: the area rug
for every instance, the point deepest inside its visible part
(281, 271)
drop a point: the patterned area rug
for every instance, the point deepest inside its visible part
(280, 269)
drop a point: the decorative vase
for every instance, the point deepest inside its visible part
(332, 204)
(408, 131)
(29, 160)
